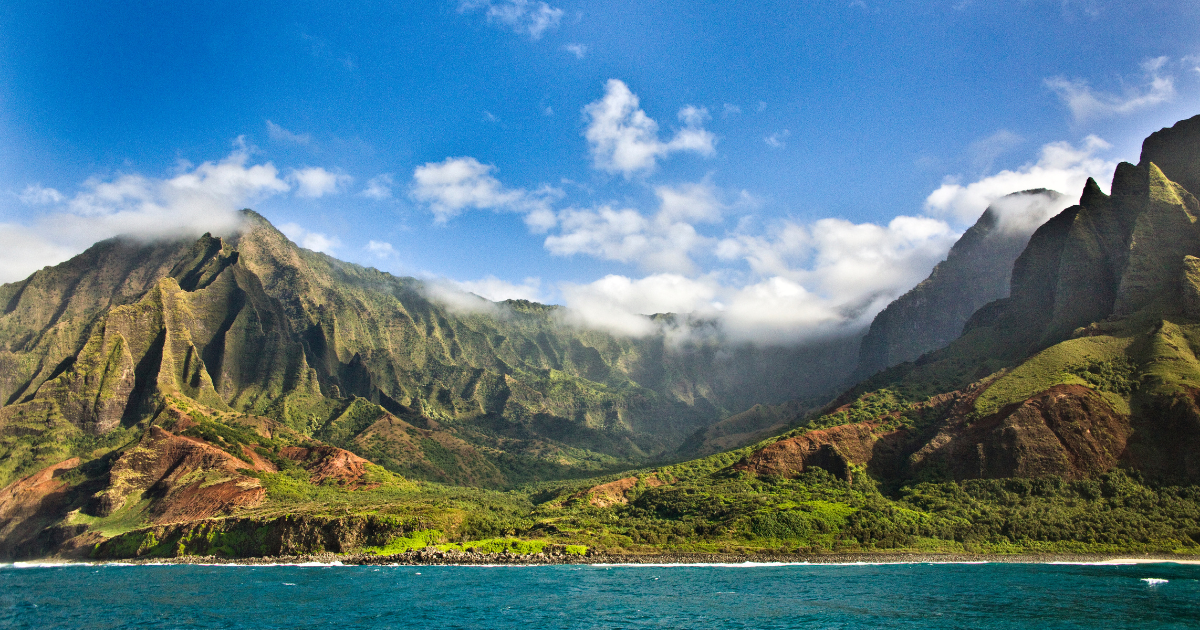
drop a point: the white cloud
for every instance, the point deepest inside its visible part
(196, 200)
(522, 16)
(37, 195)
(1060, 167)
(619, 304)
(492, 288)
(579, 50)
(315, 241)
(456, 184)
(830, 277)
(381, 250)
(1026, 213)
(985, 151)
(24, 250)
(1087, 104)
(280, 134)
(314, 182)
(623, 139)
(663, 242)
(776, 140)
(729, 109)
(379, 187)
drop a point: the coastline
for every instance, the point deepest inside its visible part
(458, 558)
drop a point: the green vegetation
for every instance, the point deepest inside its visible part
(871, 406)
(1117, 375)
(401, 544)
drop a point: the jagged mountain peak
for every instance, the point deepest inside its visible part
(977, 270)
(1176, 150)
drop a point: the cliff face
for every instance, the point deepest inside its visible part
(977, 270)
(1089, 363)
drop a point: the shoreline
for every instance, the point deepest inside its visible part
(458, 558)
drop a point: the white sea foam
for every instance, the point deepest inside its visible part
(754, 565)
(1154, 581)
(44, 565)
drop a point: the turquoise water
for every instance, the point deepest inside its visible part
(539, 598)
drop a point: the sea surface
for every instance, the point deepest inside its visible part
(995, 595)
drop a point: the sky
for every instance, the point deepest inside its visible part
(787, 168)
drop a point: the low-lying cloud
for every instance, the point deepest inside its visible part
(308, 239)
(198, 199)
(1061, 166)
(807, 281)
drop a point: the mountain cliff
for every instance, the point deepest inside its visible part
(977, 270)
(1089, 363)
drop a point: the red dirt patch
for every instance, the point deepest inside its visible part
(329, 462)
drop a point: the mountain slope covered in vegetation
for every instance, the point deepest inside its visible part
(244, 397)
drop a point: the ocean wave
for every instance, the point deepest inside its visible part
(43, 565)
(754, 565)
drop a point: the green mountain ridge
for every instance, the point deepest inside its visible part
(204, 408)
(252, 323)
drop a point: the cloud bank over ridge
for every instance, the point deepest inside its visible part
(203, 198)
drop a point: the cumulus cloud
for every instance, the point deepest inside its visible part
(1088, 104)
(307, 239)
(579, 50)
(198, 199)
(1061, 166)
(379, 187)
(623, 139)
(664, 242)
(522, 16)
(314, 182)
(454, 185)
(279, 134)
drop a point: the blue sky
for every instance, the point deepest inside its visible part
(789, 166)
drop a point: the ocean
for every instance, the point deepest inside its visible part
(993, 595)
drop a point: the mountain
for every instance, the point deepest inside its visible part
(240, 396)
(464, 391)
(977, 270)
(1088, 365)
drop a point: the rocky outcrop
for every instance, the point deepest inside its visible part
(617, 492)
(248, 537)
(30, 510)
(977, 270)
(1068, 431)
(329, 463)
(1114, 255)
(1176, 150)
(185, 479)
